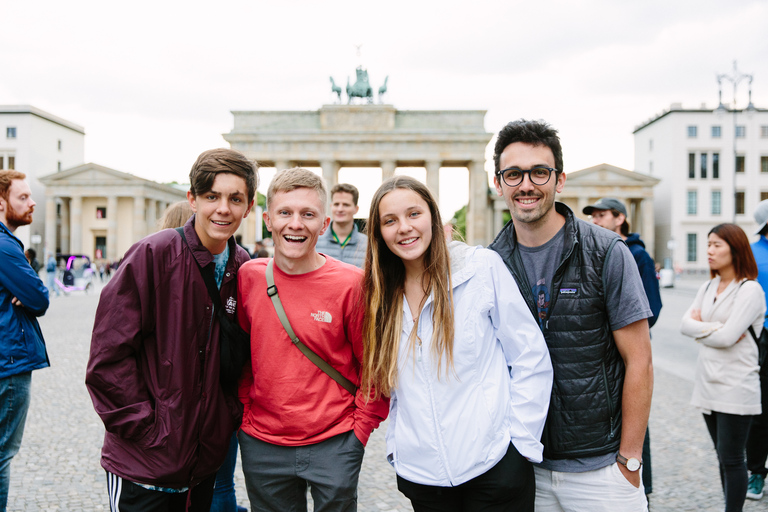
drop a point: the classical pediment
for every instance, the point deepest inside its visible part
(91, 173)
(609, 175)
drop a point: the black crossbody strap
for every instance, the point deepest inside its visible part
(316, 359)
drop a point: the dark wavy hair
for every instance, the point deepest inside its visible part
(744, 265)
(535, 133)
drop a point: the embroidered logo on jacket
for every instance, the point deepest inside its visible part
(230, 306)
(322, 316)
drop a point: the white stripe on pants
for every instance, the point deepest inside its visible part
(114, 488)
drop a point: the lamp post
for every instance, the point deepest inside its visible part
(735, 79)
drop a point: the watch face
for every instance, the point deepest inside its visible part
(633, 464)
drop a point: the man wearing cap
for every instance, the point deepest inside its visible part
(757, 441)
(581, 283)
(611, 214)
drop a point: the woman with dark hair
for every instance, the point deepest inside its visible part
(449, 338)
(727, 384)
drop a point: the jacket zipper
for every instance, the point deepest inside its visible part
(609, 398)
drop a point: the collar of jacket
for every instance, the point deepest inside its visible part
(505, 242)
(199, 251)
(4, 229)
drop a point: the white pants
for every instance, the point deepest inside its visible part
(601, 490)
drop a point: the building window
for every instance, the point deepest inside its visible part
(716, 203)
(10, 132)
(741, 132)
(692, 132)
(764, 131)
(691, 246)
(740, 163)
(11, 162)
(715, 132)
(740, 202)
(691, 165)
(59, 144)
(763, 196)
(101, 212)
(650, 167)
(58, 166)
(703, 166)
(764, 164)
(692, 202)
(715, 165)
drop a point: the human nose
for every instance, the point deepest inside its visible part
(295, 221)
(223, 206)
(526, 184)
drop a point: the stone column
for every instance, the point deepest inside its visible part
(433, 177)
(151, 216)
(387, 169)
(139, 209)
(498, 217)
(282, 164)
(111, 228)
(65, 223)
(50, 227)
(477, 225)
(647, 229)
(76, 225)
(331, 177)
(582, 203)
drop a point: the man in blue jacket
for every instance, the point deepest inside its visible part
(23, 297)
(611, 214)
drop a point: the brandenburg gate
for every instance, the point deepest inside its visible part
(369, 135)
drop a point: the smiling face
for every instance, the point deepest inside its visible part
(17, 210)
(343, 208)
(220, 211)
(296, 220)
(406, 225)
(718, 253)
(529, 204)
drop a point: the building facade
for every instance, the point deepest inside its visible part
(713, 167)
(38, 143)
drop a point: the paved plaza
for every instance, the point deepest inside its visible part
(58, 465)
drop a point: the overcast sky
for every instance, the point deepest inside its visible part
(153, 83)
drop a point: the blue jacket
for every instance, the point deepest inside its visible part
(760, 250)
(647, 274)
(22, 347)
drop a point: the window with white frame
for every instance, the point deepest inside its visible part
(741, 131)
(692, 202)
(764, 131)
(716, 133)
(692, 132)
(691, 249)
(716, 202)
(10, 132)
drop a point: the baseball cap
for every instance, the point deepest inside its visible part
(609, 203)
(761, 215)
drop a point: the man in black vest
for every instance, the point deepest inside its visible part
(582, 285)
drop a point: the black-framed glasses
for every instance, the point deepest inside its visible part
(539, 175)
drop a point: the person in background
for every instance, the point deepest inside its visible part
(343, 240)
(176, 215)
(50, 273)
(23, 298)
(154, 372)
(726, 385)
(31, 255)
(757, 440)
(447, 335)
(611, 214)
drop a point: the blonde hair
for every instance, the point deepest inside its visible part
(384, 285)
(176, 215)
(297, 177)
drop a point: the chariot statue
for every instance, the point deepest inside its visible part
(361, 88)
(336, 89)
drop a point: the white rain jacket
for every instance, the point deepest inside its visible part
(444, 432)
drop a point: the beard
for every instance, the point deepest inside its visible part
(14, 219)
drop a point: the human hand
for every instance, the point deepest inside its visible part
(17, 302)
(696, 314)
(632, 477)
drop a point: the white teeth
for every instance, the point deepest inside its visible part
(406, 241)
(295, 238)
(220, 223)
(528, 201)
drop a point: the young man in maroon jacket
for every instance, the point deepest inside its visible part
(154, 368)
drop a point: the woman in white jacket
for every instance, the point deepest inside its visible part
(451, 341)
(727, 384)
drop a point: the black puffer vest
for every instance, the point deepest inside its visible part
(584, 417)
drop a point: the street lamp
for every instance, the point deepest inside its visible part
(735, 78)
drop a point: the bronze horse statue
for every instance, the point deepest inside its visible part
(361, 88)
(383, 89)
(335, 89)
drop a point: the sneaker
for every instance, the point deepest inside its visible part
(755, 487)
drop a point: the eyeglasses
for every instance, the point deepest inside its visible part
(539, 175)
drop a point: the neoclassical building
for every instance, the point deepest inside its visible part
(101, 212)
(337, 136)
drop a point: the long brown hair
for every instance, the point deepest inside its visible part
(384, 284)
(744, 265)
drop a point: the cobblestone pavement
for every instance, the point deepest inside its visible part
(58, 465)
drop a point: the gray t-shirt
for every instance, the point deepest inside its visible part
(625, 302)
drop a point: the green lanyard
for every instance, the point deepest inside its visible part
(345, 242)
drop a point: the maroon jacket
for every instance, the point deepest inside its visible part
(153, 372)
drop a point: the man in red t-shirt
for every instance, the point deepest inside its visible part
(300, 426)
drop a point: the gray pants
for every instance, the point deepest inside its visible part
(277, 476)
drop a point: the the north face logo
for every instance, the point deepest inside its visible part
(322, 316)
(231, 305)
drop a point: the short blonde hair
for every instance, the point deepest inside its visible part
(297, 177)
(176, 215)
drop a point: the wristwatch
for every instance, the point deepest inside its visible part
(632, 464)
